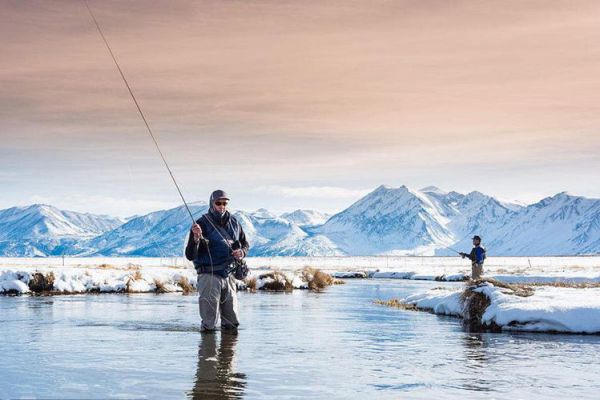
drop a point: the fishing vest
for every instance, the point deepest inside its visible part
(220, 251)
(479, 255)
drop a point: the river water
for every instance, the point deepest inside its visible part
(335, 344)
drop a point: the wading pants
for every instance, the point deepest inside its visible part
(476, 271)
(217, 296)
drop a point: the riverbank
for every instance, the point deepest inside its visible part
(514, 308)
(107, 278)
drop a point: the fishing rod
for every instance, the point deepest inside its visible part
(139, 110)
(141, 113)
(153, 138)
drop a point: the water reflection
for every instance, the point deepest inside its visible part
(477, 360)
(215, 377)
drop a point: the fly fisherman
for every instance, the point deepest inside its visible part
(217, 245)
(477, 257)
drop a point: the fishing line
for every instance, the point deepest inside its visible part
(138, 108)
(141, 113)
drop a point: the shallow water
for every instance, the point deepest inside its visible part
(335, 344)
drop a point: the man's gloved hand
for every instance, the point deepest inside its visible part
(197, 232)
(463, 255)
(238, 254)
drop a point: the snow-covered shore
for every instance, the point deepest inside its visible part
(126, 279)
(74, 275)
(73, 280)
(549, 309)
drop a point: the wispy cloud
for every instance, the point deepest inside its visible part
(316, 98)
(318, 192)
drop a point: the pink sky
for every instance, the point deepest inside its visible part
(265, 98)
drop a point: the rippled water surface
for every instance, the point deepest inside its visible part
(335, 344)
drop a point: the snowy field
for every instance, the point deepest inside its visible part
(509, 269)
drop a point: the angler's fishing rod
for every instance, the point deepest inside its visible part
(139, 109)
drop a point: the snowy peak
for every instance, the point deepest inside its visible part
(388, 220)
(304, 218)
(40, 230)
(41, 221)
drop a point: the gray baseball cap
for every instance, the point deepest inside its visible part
(218, 194)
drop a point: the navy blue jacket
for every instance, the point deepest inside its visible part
(213, 253)
(477, 255)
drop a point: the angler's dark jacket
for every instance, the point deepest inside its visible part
(219, 259)
(477, 255)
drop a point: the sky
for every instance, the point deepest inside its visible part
(288, 104)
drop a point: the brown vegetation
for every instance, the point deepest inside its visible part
(41, 283)
(160, 286)
(474, 306)
(278, 282)
(517, 289)
(582, 285)
(397, 304)
(185, 285)
(318, 280)
(137, 275)
(250, 282)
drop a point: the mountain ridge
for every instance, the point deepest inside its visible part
(388, 220)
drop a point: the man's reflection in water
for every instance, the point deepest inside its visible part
(476, 362)
(215, 378)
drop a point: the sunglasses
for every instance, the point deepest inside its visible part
(221, 203)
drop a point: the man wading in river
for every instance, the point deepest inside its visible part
(477, 257)
(217, 245)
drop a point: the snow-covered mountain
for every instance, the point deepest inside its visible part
(158, 234)
(163, 233)
(561, 224)
(41, 230)
(305, 218)
(386, 221)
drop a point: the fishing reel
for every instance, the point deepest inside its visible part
(241, 268)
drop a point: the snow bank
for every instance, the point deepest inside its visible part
(549, 309)
(74, 280)
(440, 301)
(99, 280)
(519, 276)
(564, 277)
(13, 282)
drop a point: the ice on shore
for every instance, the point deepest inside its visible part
(549, 309)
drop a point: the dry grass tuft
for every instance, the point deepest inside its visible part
(250, 282)
(397, 304)
(582, 285)
(517, 289)
(41, 283)
(185, 285)
(474, 306)
(137, 275)
(278, 282)
(318, 280)
(106, 266)
(160, 286)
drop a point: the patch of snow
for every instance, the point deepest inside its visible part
(553, 309)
